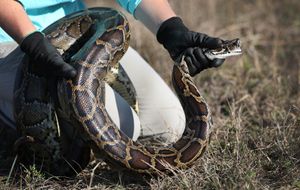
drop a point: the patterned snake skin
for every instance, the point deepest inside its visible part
(93, 41)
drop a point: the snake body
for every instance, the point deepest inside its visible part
(93, 41)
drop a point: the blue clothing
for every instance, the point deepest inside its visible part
(44, 12)
(129, 5)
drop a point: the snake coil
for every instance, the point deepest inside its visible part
(93, 41)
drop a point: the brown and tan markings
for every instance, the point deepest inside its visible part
(93, 41)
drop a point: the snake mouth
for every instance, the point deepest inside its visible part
(230, 48)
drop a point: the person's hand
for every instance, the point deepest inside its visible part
(181, 42)
(38, 48)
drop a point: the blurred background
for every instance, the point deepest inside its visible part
(268, 29)
(254, 98)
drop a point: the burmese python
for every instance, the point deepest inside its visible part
(93, 41)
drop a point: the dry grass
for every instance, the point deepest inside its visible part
(254, 100)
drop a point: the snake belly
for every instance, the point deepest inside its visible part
(93, 41)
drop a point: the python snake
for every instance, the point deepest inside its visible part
(93, 41)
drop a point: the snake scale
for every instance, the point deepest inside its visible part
(93, 41)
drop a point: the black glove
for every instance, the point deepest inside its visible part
(180, 41)
(38, 48)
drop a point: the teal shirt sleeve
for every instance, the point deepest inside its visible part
(129, 5)
(38, 4)
(42, 13)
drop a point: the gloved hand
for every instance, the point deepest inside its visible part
(180, 41)
(42, 52)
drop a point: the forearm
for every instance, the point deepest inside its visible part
(14, 20)
(153, 12)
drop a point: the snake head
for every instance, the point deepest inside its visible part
(229, 48)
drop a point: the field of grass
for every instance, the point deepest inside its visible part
(254, 98)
